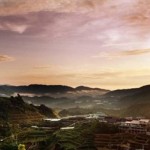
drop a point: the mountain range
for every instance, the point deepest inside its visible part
(44, 89)
(53, 95)
(125, 101)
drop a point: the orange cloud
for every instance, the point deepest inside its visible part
(124, 53)
(6, 58)
(134, 52)
(25, 6)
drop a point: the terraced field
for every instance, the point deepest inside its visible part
(121, 141)
(91, 137)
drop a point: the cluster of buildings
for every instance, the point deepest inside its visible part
(126, 125)
(138, 126)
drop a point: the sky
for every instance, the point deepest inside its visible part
(97, 43)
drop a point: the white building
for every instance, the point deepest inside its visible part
(135, 126)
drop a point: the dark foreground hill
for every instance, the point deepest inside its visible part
(15, 110)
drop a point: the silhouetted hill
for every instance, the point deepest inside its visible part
(142, 95)
(122, 92)
(127, 97)
(35, 89)
(128, 92)
(80, 88)
(43, 89)
(14, 109)
(48, 112)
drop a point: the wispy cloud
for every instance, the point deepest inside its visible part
(6, 58)
(43, 23)
(9, 7)
(134, 52)
(46, 67)
(41, 67)
(118, 54)
(105, 21)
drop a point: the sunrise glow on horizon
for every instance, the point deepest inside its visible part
(96, 43)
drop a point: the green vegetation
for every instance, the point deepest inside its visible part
(32, 135)
(80, 137)
(8, 146)
(14, 110)
(5, 131)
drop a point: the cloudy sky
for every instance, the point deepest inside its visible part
(97, 43)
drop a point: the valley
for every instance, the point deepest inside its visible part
(94, 116)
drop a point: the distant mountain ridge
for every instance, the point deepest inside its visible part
(131, 102)
(80, 88)
(142, 95)
(43, 89)
(127, 92)
(60, 96)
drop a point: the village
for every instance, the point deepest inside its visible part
(133, 133)
(138, 125)
(111, 132)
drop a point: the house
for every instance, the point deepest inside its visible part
(134, 126)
